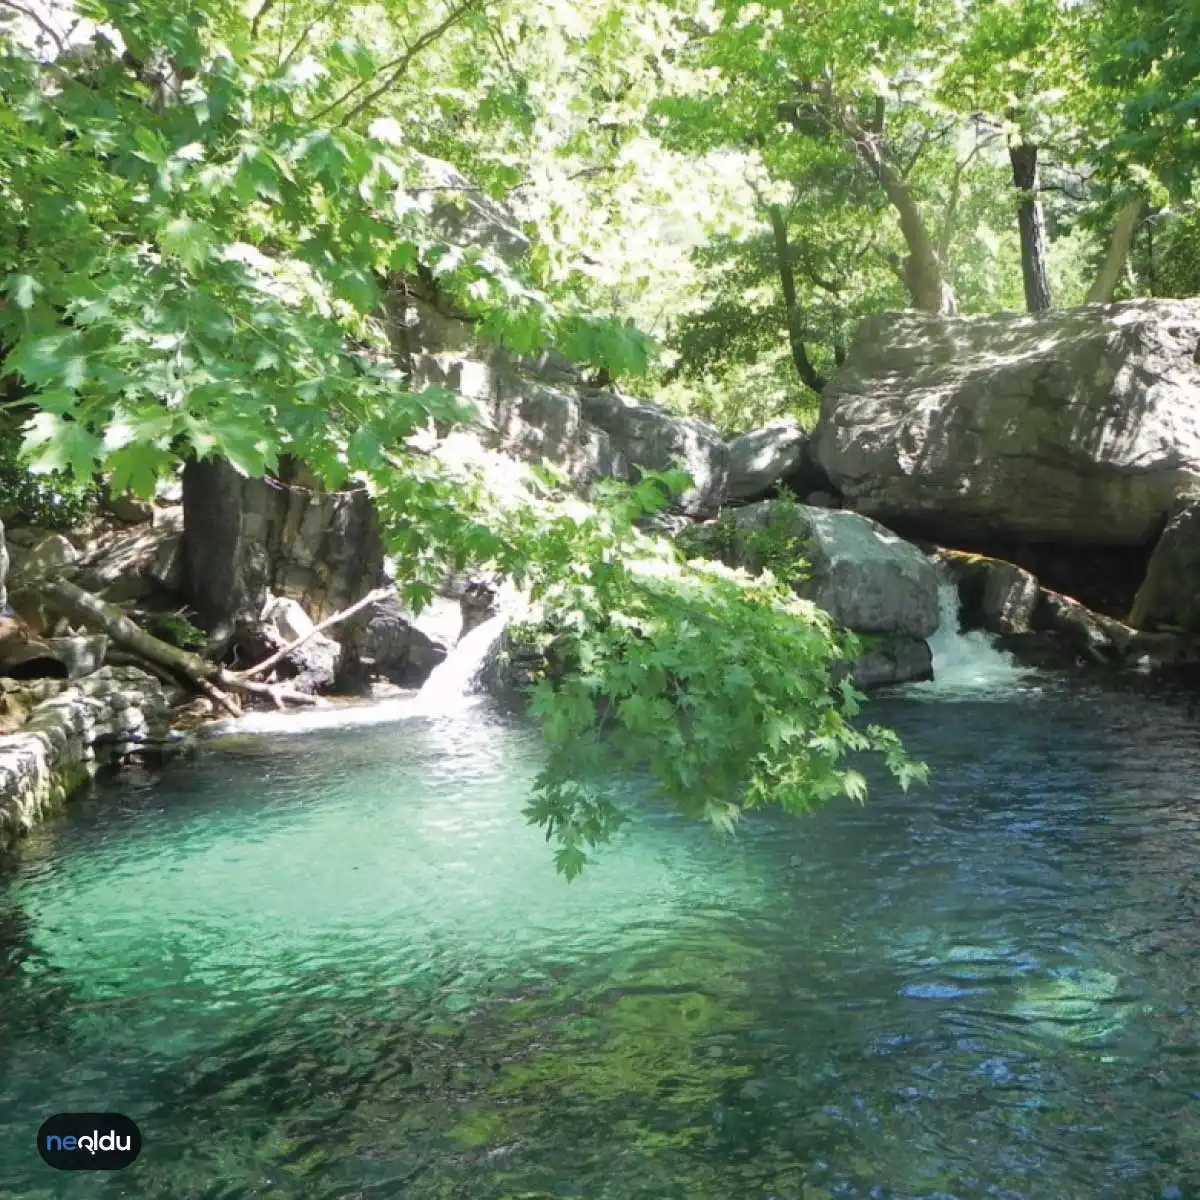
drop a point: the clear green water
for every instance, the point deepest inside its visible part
(341, 966)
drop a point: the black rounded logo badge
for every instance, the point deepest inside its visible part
(89, 1141)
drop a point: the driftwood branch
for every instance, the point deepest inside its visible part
(267, 663)
(209, 679)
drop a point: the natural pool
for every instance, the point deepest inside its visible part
(339, 965)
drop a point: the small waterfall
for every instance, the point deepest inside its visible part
(449, 689)
(966, 662)
(452, 682)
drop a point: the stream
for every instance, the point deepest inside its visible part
(332, 960)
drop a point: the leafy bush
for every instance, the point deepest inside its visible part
(50, 501)
(724, 687)
(778, 547)
(177, 630)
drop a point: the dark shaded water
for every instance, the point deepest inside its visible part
(340, 966)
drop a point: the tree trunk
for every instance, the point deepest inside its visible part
(923, 274)
(809, 375)
(1031, 221)
(1124, 228)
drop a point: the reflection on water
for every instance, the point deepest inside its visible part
(341, 965)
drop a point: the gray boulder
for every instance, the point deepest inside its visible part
(465, 215)
(892, 660)
(645, 436)
(760, 459)
(868, 579)
(535, 421)
(312, 666)
(1073, 427)
(1170, 593)
(394, 645)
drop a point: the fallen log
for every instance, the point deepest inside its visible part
(207, 678)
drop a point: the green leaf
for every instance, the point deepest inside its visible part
(188, 240)
(54, 444)
(138, 468)
(23, 289)
(150, 146)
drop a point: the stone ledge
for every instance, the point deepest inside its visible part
(72, 731)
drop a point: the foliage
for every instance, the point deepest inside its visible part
(778, 547)
(177, 630)
(722, 686)
(1146, 57)
(1167, 258)
(56, 501)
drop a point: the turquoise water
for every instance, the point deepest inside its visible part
(340, 965)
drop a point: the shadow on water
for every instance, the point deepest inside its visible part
(342, 966)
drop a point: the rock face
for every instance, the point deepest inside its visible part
(893, 660)
(1077, 427)
(1170, 594)
(645, 436)
(394, 645)
(996, 596)
(758, 460)
(69, 734)
(868, 579)
(245, 539)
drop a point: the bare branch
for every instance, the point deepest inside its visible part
(267, 663)
(267, 5)
(398, 66)
(302, 40)
(47, 29)
(946, 233)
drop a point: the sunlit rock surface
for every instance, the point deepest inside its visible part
(1078, 427)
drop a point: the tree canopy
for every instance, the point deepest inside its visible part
(207, 208)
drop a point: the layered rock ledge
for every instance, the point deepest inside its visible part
(72, 730)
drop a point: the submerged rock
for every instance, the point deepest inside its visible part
(1078, 426)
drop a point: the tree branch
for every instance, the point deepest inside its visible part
(946, 233)
(398, 66)
(266, 7)
(302, 40)
(30, 15)
(279, 655)
(809, 375)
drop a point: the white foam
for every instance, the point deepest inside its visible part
(450, 689)
(967, 663)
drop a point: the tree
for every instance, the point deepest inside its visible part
(206, 210)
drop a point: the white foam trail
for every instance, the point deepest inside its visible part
(448, 690)
(966, 663)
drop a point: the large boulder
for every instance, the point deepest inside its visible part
(246, 539)
(891, 660)
(463, 214)
(1170, 594)
(868, 579)
(645, 436)
(760, 459)
(1077, 427)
